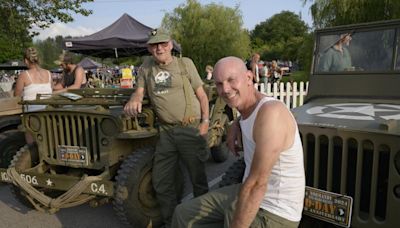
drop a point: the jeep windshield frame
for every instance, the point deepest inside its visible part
(357, 61)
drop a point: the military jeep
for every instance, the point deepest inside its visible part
(350, 128)
(88, 150)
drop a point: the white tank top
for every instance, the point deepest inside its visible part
(285, 190)
(29, 93)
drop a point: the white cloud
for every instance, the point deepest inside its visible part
(63, 30)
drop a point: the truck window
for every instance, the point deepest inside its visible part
(361, 51)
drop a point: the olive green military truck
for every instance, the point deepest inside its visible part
(88, 150)
(350, 128)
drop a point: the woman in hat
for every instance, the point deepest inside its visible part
(32, 82)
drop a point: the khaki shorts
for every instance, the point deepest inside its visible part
(267, 219)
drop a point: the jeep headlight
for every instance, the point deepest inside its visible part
(34, 123)
(108, 127)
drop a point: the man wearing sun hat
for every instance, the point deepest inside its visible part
(175, 89)
(73, 74)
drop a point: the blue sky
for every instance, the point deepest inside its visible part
(151, 12)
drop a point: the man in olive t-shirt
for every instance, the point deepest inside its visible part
(180, 102)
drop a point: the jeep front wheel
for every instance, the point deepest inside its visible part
(10, 142)
(27, 157)
(135, 203)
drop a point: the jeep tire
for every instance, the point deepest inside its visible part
(10, 142)
(135, 203)
(27, 157)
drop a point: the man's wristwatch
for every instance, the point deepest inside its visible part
(205, 120)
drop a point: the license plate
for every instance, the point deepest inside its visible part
(328, 206)
(73, 154)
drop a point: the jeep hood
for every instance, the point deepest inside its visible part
(363, 115)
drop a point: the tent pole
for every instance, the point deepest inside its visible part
(116, 55)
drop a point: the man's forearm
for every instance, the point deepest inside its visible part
(204, 109)
(248, 204)
(203, 100)
(138, 95)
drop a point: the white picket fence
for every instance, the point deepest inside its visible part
(292, 94)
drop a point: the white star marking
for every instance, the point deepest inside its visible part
(49, 182)
(367, 111)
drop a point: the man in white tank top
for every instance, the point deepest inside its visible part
(272, 191)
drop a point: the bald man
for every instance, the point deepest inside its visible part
(272, 191)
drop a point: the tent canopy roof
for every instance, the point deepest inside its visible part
(124, 37)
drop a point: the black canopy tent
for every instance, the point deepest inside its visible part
(124, 37)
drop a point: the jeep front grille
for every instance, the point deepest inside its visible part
(70, 129)
(357, 164)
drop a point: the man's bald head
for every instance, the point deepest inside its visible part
(230, 62)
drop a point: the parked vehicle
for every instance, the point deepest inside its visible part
(350, 129)
(88, 150)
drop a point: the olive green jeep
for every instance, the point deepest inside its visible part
(350, 129)
(88, 150)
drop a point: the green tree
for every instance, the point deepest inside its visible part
(279, 37)
(341, 12)
(207, 33)
(49, 50)
(305, 52)
(19, 17)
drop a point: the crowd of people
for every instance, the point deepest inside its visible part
(272, 191)
(268, 71)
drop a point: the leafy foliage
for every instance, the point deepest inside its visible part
(208, 33)
(49, 50)
(340, 12)
(279, 37)
(20, 16)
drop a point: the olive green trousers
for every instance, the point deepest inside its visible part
(216, 208)
(178, 144)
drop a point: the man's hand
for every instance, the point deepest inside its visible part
(133, 107)
(234, 138)
(203, 129)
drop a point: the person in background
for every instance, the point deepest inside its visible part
(254, 67)
(32, 82)
(73, 74)
(264, 73)
(209, 70)
(272, 191)
(337, 57)
(175, 89)
(275, 72)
